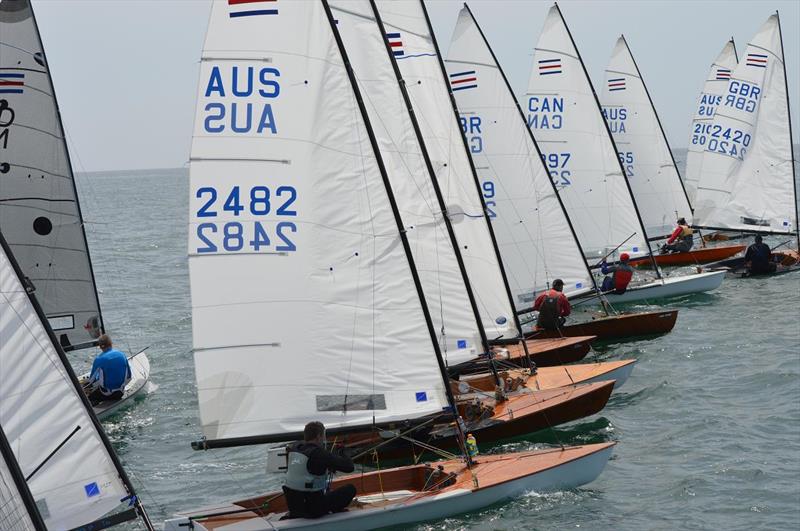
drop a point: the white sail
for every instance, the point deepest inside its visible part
(434, 257)
(304, 306)
(421, 69)
(716, 84)
(39, 212)
(71, 475)
(562, 111)
(13, 512)
(747, 174)
(533, 233)
(642, 147)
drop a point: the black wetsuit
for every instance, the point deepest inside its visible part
(760, 257)
(319, 503)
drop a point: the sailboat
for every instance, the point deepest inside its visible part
(58, 445)
(565, 117)
(40, 215)
(746, 175)
(647, 159)
(333, 251)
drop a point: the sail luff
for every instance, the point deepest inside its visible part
(614, 145)
(10, 461)
(434, 182)
(791, 140)
(393, 203)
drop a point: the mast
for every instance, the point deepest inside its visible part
(457, 117)
(658, 119)
(79, 390)
(7, 454)
(536, 145)
(74, 185)
(400, 229)
(613, 144)
(735, 53)
(791, 141)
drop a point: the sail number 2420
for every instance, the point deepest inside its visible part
(264, 227)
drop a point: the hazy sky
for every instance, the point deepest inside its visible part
(126, 71)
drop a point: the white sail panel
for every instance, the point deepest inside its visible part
(39, 212)
(747, 178)
(534, 236)
(422, 72)
(562, 111)
(642, 147)
(444, 287)
(716, 84)
(312, 313)
(40, 408)
(13, 513)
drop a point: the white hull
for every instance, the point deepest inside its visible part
(562, 477)
(669, 287)
(140, 374)
(619, 375)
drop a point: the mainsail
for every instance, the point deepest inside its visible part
(563, 113)
(715, 86)
(61, 449)
(305, 303)
(39, 211)
(18, 510)
(643, 147)
(446, 290)
(533, 232)
(419, 61)
(747, 173)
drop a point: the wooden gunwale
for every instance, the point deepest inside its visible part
(696, 256)
(615, 327)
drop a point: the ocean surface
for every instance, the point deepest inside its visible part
(708, 425)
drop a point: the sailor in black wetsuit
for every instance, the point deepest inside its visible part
(758, 258)
(310, 464)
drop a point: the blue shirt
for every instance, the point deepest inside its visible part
(111, 370)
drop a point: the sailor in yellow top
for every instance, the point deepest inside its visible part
(684, 235)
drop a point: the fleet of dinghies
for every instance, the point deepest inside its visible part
(344, 175)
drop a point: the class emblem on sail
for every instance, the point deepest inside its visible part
(12, 82)
(252, 8)
(396, 43)
(549, 66)
(464, 80)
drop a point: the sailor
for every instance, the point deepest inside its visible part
(310, 465)
(684, 235)
(110, 373)
(758, 258)
(621, 275)
(553, 307)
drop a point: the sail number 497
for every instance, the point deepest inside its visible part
(269, 232)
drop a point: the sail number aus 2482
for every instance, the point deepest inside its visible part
(260, 235)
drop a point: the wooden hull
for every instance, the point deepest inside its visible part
(787, 261)
(544, 353)
(703, 255)
(616, 327)
(416, 493)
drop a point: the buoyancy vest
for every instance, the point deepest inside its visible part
(548, 312)
(297, 475)
(622, 277)
(687, 233)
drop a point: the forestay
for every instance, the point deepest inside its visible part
(39, 212)
(642, 146)
(434, 256)
(747, 175)
(535, 239)
(564, 115)
(419, 63)
(42, 414)
(303, 301)
(716, 84)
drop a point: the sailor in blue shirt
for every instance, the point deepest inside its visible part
(110, 373)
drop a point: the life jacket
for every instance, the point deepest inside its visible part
(622, 277)
(297, 475)
(687, 233)
(548, 312)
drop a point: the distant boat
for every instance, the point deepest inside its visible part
(565, 116)
(40, 215)
(313, 306)
(65, 472)
(747, 182)
(647, 159)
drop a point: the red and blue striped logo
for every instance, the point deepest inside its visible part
(251, 8)
(463, 80)
(616, 84)
(396, 43)
(757, 59)
(11, 82)
(549, 66)
(723, 74)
